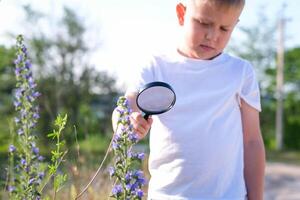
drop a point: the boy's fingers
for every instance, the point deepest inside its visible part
(139, 119)
(139, 129)
(140, 125)
(150, 120)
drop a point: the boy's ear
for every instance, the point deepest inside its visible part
(180, 10)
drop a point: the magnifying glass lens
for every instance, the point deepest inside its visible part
(156, 98)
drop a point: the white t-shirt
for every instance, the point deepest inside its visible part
(196, 148)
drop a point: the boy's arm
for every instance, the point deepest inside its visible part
(254, 152)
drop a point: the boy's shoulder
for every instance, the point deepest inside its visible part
(236, 58)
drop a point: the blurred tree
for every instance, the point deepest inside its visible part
(7, 84)
(68, 83)
(259, 47)
(292, 99)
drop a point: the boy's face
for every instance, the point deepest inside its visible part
(207, 27)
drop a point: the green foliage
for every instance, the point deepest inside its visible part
(292, 70)
(68, 83)
(24, 178)
(128, 179)
(7, 84)
(57, 154)
(259, 47)
(95, 144)
(292, 99)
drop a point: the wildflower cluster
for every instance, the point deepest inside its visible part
(27, 176)
(128, 180)
(27, 171)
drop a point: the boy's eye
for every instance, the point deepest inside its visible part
(204, 23)
(224, 29)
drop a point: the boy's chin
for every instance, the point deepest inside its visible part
(199, 53)
(206, 56)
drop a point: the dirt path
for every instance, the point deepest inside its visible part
(282, 182)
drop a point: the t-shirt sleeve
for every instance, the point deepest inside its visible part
(250, 90)
(143, 75)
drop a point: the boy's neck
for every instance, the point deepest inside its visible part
(182, 51)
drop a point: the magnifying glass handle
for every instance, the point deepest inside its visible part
(146, 116)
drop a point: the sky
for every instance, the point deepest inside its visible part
(127, 31)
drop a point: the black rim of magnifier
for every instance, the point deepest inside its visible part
(155, 84)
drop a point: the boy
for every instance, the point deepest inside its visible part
(208, 146)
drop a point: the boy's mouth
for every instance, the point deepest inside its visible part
(206, 47)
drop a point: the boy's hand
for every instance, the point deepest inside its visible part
(140, 125)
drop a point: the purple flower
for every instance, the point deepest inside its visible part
(36, 115)
(139, 193)
(128, 186)
(17, 104)
(19, 92)
(36, 94)
(20, 132)
(35, 150)
(111, 171)
(29, 98)
(133, 137)
(123, 141)
(129, 110)
(11, 148)
(117, 190)
(125, 103)
(17, 120)
(127, 119)
(31, 181)
(18, 60)
(23, 113)
(31, 83)
(128, 177)
(24, 49)
(141, 156)
(41, 158)
(27, 115)
(120, 110)
(32, 125)
(11, 188)
(138, 173)
(23, 162)
(41, 175)
(115, 145)
(141, 181)
(17, 71)
(27, 64)
(134, 186)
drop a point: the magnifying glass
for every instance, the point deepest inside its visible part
(155, 98)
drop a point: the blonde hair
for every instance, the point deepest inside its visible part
(238, 3)
(226, 3)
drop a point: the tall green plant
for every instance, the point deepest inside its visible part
(26, 168)
(27, 177)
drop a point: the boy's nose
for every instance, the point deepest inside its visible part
(211, 34)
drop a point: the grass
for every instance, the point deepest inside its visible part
(290, 157)
(95, 144)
